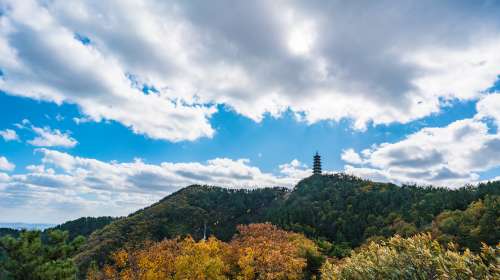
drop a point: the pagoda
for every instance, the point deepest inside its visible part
(317, 164)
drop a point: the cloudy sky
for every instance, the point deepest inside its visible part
(107, 106)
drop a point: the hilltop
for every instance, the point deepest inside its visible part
(348, 210)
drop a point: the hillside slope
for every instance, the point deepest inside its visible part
(84, 226)
(342, 209)
(347, 209)
(184, 212)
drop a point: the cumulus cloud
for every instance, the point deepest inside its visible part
(351, 156)
(47, 137)
(5, 165)
(452, 155)
(295, 170)
(489, 108)
(88, 186)
(161, 67)
(9, 135)
(142, 177)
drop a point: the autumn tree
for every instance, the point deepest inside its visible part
(262, 251)
(258, 251)
(418, 257)
(205, 259)
(169, 259)
(478, 223)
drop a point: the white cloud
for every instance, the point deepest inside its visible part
(3, 178)
(376, 175)
(59, 118)
(452, 155)
(140, 176)
(81, 120)
(84, 186)
(47, 137)
(351, 156)
(6, 165)
(23, 124)
(295, 171)
(9, 135)
(398, 64)
(489, 107)
(61, 69)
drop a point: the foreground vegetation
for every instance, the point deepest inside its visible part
(258, 251)
(27, 257)
(262, 251)
(343, 226)
(417, 257)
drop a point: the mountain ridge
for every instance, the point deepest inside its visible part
(340, 209)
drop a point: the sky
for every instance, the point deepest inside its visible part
(108, 106)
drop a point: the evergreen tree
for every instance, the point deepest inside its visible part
(28, 258)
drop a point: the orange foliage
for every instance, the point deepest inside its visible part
(259, 251)
(263, 251)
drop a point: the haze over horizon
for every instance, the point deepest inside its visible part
(108, 106)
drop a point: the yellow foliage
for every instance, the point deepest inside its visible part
(259, 251)
(120, 258)
(418, 257)
(266, 252)
(175, 259)
(202, 260)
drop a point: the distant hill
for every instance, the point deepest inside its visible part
(13, 229)
(27, 226)
(9, 231)
(84, 226)
(337, 208)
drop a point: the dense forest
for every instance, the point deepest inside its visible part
(348, 211)
(83, 226)
(342, 223)
(9, 231)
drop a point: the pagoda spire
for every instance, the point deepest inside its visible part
(317, 164)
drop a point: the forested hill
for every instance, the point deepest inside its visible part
(337, 208)
(84, 226)
(184, 212)
(348, 210)
(9, 231)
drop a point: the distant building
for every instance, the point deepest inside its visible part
(317, 164)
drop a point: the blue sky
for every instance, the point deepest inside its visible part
(104, 111)
(267, 144)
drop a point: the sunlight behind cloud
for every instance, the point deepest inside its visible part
(301, 38)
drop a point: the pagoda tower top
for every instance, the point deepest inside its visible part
(317, 164)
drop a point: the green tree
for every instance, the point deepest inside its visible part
(28, 258)
(480, 222)
(344, 209)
